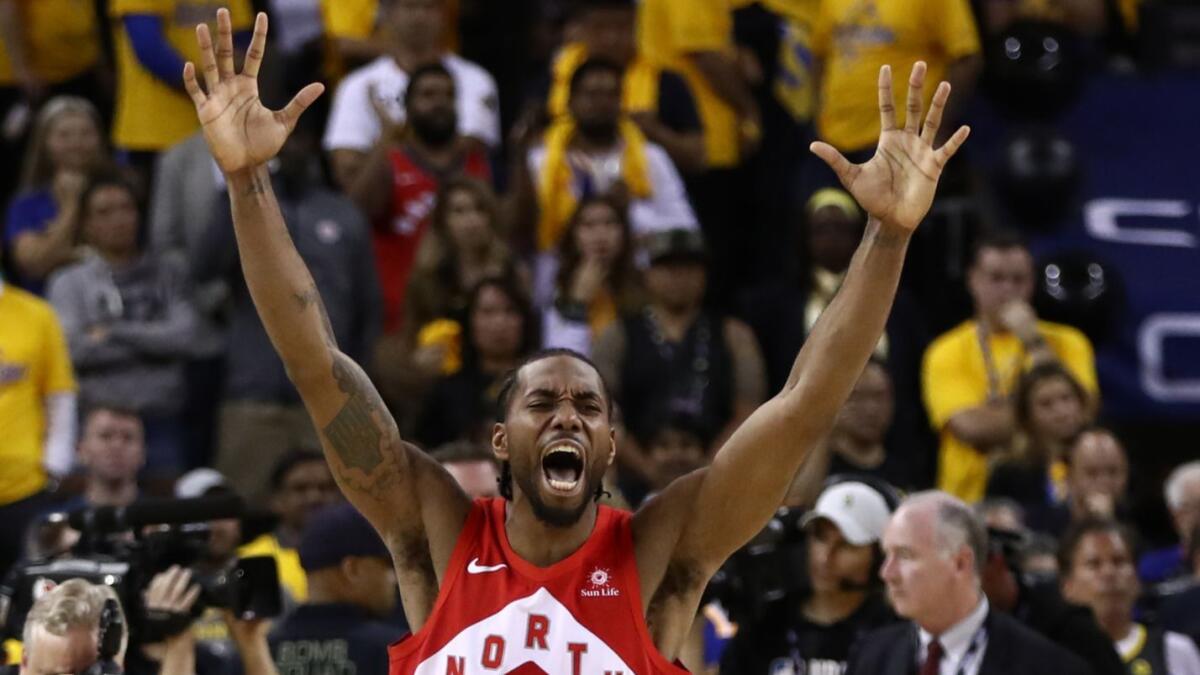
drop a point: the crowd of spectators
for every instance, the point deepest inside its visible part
(626, 179)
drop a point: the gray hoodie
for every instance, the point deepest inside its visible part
(149, 328)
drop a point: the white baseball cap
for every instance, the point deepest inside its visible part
(197, 482)
(857, 509)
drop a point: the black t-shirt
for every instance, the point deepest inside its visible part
(331, 638)
(784, 641)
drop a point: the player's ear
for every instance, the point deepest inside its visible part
(500, 441)
(612, 445)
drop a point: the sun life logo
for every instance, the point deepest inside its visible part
(598, 585)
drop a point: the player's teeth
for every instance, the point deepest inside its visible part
(562, 484)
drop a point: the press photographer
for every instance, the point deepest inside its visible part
(131, 549)
(77, 627)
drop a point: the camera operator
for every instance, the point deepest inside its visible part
(63, 630)
(352, 589)
(216, 648)
(812, 631)
(170, 597)
(1038, 603)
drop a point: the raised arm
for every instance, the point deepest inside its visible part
(386, 479)
(751, 473)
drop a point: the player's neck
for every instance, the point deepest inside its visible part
(539, 543)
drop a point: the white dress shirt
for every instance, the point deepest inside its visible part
(963, 644)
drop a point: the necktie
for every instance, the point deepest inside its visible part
(933, 658)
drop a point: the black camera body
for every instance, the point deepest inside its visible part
(125, 549)
(768, 568)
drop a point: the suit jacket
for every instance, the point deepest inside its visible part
(1011, 649)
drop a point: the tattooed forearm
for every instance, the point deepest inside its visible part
(312, 296)
(361, 435)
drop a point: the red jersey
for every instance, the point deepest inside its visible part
(414, 192)
(497, 613)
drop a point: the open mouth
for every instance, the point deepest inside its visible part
(562, 466)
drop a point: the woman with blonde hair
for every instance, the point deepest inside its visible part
(40, 230)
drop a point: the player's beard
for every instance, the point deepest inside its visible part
(555, 516)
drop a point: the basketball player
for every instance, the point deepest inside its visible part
(546, 581)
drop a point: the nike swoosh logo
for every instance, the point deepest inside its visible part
(474, 567)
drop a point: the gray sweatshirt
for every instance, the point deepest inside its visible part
(148, 325)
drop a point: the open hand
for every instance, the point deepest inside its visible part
(241, 132)
(897, 185)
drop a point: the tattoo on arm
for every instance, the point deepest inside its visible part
(257, 186)
(311, 297)
(359, 432)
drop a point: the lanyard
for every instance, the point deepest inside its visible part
(974, 652)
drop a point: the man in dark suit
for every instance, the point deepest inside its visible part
(935, 548)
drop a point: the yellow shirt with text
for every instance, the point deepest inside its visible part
(34, 363)
(954, 377)
(61, 39)
(150, 115)
(854, 38)
(669, 30)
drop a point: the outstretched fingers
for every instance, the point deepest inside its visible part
(258, 46)
(887, 108)
(916, 84)
(207, 61)
(224, 44)
(933, 121)
(191, 85)
(299, 103)
(951, 146)
(836, 161)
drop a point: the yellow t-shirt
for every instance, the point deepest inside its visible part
(954, 378)
(61, 38)
(854, 38)
(359, 18)
(795, 83)
(287, 561)
(151, 115)
(668, 30)
(34, 363)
